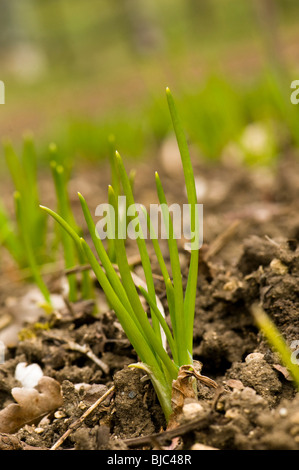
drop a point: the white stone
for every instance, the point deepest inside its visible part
(29, 376)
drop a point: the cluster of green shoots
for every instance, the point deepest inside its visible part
(29, 243)
(162, 349)
(147, 335)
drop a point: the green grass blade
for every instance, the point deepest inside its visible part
(162, 322)
(132, 178)
(190, 294)
(171, 307)
(66, 213)
(104, 258)
(21, 215)
(29, 163)
(176, 275)
(133, 297)
(142, 348)
(38, 220)
(72, 233)
(9, 239)
(145, 260)
(116, 185)
(276, 340)
(144, 324)
(87, 287)
(14, 166)
(164, 271)
(154, 240)
(115, 180)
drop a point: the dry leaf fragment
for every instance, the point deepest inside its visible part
(32, 404)
(235, 384)
(183, 388)
(284, 371)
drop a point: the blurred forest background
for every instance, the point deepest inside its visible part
(76, 71)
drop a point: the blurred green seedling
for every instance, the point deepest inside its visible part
(72, 256)
(276, 341)
(27, 237)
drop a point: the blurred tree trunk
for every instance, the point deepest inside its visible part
(200, 12)
(8, 31)
(199, 8)
(58, 44)
(268, 19)
(22, 55)
(139, 25)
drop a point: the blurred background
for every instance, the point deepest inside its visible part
(78, 70)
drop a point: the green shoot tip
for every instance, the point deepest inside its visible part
(53, 147)
(168, 94)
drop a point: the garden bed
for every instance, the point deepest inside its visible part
(250, 254)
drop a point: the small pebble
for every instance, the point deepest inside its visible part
(283, 412)
(254, 357)
(232, 413)
(202, 447)
(192, 410)
(28, 375)
(278, 267)
(232, 285)
(59, 414)
(39, 430)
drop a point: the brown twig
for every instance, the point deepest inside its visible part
(76, 424)
(197, 424)
(222, 240)
(88, 352)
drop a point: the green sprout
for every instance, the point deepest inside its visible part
(147, 335)
(26, 238)
(276, 341)
(27, 244)
(72, 256)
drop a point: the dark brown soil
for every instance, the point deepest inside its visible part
(256, 259)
